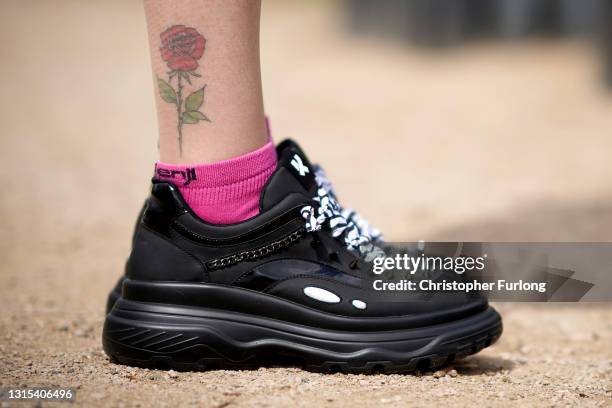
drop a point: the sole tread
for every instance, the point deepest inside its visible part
(253, 361)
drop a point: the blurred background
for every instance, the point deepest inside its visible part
(464, 119)
(435, 119)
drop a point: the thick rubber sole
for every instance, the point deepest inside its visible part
(187, 338)
(113, 296)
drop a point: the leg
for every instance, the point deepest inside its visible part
(212, 133)
(208, 49)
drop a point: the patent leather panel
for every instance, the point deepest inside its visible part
(161, 208)
(265, 275)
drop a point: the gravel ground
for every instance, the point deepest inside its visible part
(548, 356)
(526, 157)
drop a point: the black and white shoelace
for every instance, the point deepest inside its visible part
(355, 231)
(351, 215)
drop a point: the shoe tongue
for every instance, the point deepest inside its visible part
(294, 174)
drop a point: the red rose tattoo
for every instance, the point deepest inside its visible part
(181, 49)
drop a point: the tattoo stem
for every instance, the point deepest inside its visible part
(179, 104)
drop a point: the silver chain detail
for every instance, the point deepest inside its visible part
(256, 253)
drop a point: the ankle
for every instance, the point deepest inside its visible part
(226, 191)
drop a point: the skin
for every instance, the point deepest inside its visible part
(232, 121)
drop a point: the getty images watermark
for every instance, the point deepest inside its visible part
(502, 271)
(438, 265)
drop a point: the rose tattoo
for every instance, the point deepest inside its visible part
(181, 49)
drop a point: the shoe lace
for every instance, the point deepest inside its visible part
(329, 212)
(350, 214)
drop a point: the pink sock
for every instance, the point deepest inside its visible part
(224, 192)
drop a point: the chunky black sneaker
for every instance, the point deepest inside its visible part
(322, 182)
(290, 286)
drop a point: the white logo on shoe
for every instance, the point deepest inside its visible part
(321, 295)
(299, 165)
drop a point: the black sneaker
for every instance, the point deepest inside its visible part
(290, 286)
(322, 181)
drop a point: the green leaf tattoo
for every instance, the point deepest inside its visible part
(181, 48)
(166, 92)
(194, 117)
(195, 100)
